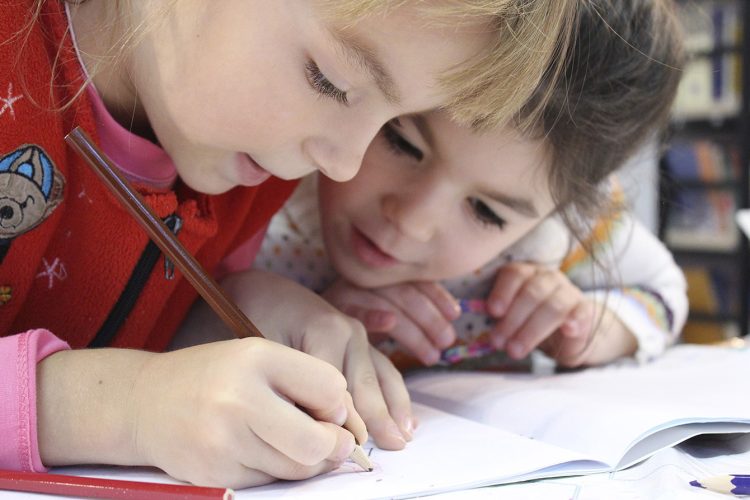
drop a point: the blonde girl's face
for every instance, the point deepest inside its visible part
(433, 201)
(239, 90)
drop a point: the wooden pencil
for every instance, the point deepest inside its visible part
(206, 286)
(90, 487)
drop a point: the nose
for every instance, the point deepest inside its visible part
(417, 212)
(338, 154)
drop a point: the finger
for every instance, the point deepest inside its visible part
(368, 396)
(374, 320)
(340, 340)
(395, 393)
(278, 466)
(295, 433)
(572, 351)
(311, 383)
(441, 298)
(423, 313)
(354, 422)
(532, 294)
(582, 318)
(509, 280)
(545, 321)
(260, 463)
(414, 340)
(224, 474)
(327, 337)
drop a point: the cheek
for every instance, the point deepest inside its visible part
(466, 251)
(231, 104)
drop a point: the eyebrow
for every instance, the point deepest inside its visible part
(367, 59)
(519, 205)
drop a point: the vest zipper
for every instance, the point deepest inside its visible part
(134, 287)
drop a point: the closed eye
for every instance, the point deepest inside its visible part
(322, 85)
(484, 214)
(399, 145)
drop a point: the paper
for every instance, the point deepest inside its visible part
(519, 426)
(479, 429)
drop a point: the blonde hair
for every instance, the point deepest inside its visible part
(530, 39)
(487, 91)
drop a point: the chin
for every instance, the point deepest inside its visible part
(210, 188)
(369, 278)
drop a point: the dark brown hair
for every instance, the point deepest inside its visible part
(619, 81)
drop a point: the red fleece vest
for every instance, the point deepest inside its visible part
(68, 247)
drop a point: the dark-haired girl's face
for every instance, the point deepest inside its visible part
(433, 201)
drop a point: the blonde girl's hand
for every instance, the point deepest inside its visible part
(230, 413)
(533, 303)
(225, 414)
(418, 315)
(295, 316)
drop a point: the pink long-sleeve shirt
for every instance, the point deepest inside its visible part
(19, 355)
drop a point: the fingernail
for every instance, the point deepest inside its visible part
(498, 342)
(339, 416)
(431, 358)
(393, 430)
(516, 350)
(447, 337)
(455, 310)
(407, 425)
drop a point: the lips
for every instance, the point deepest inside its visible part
(249, 173)
(369, 253)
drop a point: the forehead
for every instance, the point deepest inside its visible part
(417, 51)
(500, 159)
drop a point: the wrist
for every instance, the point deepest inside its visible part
(612, 340)
(87, 407)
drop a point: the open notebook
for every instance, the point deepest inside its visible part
(480, 429)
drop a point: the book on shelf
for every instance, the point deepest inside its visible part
(702, 220)
(711, 86)
(709, 25)
(712, 289)
(478, 428)
(703, 160)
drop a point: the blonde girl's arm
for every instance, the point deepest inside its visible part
(224, 413)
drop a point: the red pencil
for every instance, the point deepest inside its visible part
(90, 487)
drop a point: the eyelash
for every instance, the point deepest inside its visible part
(485, 215)
(322, 85)
(479, 209)
(399, 145)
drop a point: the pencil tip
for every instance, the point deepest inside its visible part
(360, 458)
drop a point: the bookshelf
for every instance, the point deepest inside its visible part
(704, 173)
